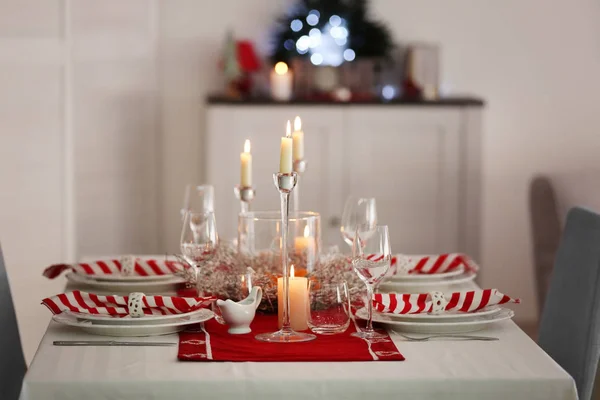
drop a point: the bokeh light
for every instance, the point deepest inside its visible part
(335, 20)
(349, 55)
(296, 25)
(316, 59)
(388, 92)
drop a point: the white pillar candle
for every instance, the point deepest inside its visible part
(246, 162)
(298, 290)
(298, 139)
(305, 245)
(285, 156)
(281, 82)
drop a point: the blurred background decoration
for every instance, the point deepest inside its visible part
(329, 32)
(337, 52)
(332, 50)
(238, 64)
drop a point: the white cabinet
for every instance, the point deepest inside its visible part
(421, 163)
(408, 159)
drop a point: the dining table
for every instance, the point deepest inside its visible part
(513, 367)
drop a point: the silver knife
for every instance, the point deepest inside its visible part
(108, 343)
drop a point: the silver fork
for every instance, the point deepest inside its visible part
(460, 337)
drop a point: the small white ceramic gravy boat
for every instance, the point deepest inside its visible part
(239, 315)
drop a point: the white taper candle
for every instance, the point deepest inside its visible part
(246, 162)
(298, 139)
(285, 157)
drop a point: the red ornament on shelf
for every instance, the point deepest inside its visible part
(249, 63)
(246, 55)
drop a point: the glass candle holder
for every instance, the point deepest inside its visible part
(259, 235)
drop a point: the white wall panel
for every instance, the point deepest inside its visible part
(114, 125)
(31, 199)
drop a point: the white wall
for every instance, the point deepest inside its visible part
(78, 143)
(114, 78)
(31, 150)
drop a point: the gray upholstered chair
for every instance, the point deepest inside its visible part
(12, 362)
(570, 325)
(545, 226)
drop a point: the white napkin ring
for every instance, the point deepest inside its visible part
(127, 265)
(403, 264)
(438, 302)
(136, 305)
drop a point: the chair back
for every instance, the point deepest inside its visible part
(12, 362)
(545, 227)
(570, 325)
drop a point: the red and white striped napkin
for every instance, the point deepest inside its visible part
(125, 266)
(89, 303)
(432, 264)
(435, 302)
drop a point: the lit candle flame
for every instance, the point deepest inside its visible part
(247, 146)
(288, 129)
(281, 68)
(306, 232)
(297, 124)
(292, 271)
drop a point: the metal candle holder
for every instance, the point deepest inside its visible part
(285, 183)
(299, 168)
(245, 195)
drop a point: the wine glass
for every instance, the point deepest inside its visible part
(371, 258)
(198, 198)
(199, 239)
(359, 213)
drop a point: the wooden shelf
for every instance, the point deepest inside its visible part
(265, 101)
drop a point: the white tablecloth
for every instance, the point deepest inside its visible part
(512, 368)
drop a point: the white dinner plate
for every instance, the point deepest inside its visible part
(438, 327)
(441, 285)
(446, 316)
(127, 320)
(147, 287)
(133, 330)
(427, 277)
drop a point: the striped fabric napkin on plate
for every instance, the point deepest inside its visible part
(436, 302)
(118, 306)
(127, 266)
(431, 264)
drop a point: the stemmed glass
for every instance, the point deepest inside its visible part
(359, 213)
(371, 258)
(198, 198)
(199, 240)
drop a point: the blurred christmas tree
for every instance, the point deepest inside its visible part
(330, 32)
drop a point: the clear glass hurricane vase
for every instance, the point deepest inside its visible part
(259, 238)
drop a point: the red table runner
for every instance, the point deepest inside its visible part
(215, 344)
